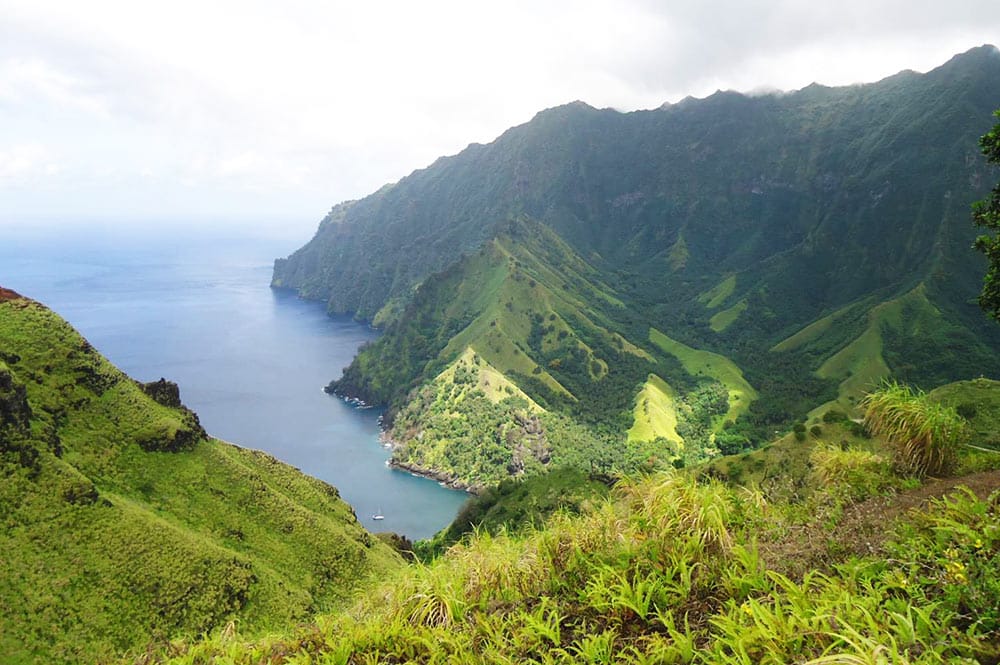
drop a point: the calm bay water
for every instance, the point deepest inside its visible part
(194, 306)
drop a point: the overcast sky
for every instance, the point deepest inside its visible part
(224, 110)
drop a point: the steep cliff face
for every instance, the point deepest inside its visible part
(846, 190)
(627, 271)
(123, 524)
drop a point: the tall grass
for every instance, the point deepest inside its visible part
(854, 472)
(923, 435)
(667, 572)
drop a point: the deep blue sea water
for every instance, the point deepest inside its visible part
(194, 306)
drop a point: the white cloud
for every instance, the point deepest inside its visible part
(32, 81)
(26, 164)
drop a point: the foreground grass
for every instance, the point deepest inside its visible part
(925, 434)
(670, 571)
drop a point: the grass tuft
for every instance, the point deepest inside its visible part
(924, 435)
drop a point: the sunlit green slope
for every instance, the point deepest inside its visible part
(122, 524)
(521, 358)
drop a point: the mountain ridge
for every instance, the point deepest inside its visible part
(801, 204)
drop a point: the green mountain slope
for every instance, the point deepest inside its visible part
(978, 401)
(529, 366)
(810, 242)
(123, 524)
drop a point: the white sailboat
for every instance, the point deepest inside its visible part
(378, 514)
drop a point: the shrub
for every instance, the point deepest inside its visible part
(967, 411)
(859, 472)
(858, 430)
(834, 416)
(923, 434)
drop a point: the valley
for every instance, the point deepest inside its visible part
(666, 286)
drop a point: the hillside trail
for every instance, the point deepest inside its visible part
(863, 527)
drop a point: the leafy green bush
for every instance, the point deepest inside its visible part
(859, 473)
(967, 411)
(834, 416)
(922, 433)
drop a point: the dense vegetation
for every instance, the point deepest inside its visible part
(618, 270)
(672, 569)
(978, 403)
(986, 213)
(123, 525)
(923, 432)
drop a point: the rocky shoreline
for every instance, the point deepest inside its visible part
(440, 477)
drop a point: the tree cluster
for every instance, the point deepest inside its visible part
(986, 213)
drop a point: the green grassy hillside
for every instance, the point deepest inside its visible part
(813, 550)
(718, 367)
(722, 320)
(125, 525)
(470, 424)
(861, 365)
(544, 362)
(978, 401)
(861, 344)
(793, 250)
(529, 361)
(655, 412)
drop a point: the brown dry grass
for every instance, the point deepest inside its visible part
(7, 294)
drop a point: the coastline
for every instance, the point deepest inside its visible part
(440, 477)
(385, 439)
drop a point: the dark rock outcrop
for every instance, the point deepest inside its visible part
(163, 392)
(167, 438)
(440, 477)
(7, 294)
